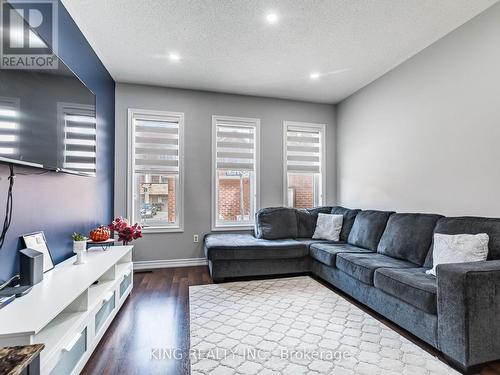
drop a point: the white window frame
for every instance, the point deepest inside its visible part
(322, 130)
(255, 122)
(152, 114)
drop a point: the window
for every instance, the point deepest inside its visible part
(156, 147)
(79, 127)
(235, 172)
(303, 176)
(9, 127)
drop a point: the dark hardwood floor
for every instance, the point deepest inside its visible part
(156, 316)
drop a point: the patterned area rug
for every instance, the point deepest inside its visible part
(294, 326)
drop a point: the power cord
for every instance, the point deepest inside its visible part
(8, 207)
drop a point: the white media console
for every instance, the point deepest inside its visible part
(68, 311)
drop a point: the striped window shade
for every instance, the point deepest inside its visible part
(303, 149)
(236, 146)
(156, 145)
(9, 126)
(79, 138)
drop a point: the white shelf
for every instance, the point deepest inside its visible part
(59, 288)
(98, 291)
(122, 269)
(64, 303)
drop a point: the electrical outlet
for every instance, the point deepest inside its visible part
(195, 238)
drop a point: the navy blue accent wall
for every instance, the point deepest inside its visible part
(60, 204)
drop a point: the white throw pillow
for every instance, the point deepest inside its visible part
(458, 248)
(328, 227)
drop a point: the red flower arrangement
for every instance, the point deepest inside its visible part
(126, 232)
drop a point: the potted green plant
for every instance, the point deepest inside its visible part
(79, 247)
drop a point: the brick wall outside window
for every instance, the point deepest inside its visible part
(229, 198)
(303, 189)
(171, 199)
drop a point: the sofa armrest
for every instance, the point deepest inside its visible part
(468, 303)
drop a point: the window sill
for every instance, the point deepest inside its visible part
(232, 228)
(162, 230)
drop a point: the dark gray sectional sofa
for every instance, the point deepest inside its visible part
(381, 261)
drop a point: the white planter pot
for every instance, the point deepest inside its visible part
(79, 248)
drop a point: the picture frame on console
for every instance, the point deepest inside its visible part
(38, 242)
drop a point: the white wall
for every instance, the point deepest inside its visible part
(198, 108)
(426, 136)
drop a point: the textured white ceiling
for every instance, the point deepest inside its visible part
(227, 46)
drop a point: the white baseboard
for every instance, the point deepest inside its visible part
(169, 263)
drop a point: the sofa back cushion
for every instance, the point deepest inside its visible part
(349, 217)
(368, 228)
(408, 236)
(307, 218)
(470, 225)
(274, 223)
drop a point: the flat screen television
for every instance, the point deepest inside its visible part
(47, 120)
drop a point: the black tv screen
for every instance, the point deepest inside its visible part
(47, 120)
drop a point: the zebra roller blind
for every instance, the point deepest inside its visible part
(9, 126)
(79, 138)
(303, 149)
(156, 144)
(236, 146)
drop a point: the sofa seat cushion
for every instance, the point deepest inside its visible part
(311, 241)
(362, 266)
(408, 237)
(231, 246)
(411, 285)
(368, 228)
(327, 253)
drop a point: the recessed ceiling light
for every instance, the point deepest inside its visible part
(314, 75)
(174, 57)
(272, 18)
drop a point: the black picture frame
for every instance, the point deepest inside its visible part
(38, 242)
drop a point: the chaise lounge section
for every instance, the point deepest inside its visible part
(381, 260)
